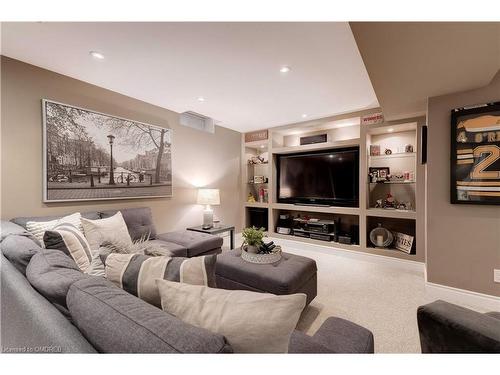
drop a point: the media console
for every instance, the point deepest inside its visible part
(293, 196)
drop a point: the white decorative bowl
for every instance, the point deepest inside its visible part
(262, 258)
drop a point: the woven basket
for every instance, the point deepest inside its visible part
(262, 258)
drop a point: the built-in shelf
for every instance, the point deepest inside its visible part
(330, 244)
(257, 144)
(393, 156)
(315, 146)
(390, 252)
(322, 209)
(393, 183)
(397, 214)
(393, 136)
(257, 204)
(254, 164)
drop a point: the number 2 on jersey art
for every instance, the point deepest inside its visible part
(475, 158)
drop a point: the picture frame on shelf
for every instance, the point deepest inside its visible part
(475, 155)
(403, 242)
(374, 150)
(378, 174)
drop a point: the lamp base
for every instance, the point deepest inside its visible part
(208, 218)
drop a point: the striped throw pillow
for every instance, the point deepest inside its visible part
(72, 242)
(136, 273)
(38, 228)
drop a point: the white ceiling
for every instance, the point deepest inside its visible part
(234, 66)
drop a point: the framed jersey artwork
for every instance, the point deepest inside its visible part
(475, 154)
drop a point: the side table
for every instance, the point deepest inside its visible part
(220, 229)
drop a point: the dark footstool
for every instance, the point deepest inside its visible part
(292, 274)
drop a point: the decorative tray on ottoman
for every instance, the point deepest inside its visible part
(272, 257)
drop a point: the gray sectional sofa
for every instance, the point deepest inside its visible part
(64, 310)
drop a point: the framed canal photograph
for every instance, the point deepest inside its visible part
(475, 154)
(94, 156)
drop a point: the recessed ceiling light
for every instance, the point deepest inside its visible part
(201, 99)
(390, 130)
(304, 115)
(262, 146)
(285, 69)
(96, 55)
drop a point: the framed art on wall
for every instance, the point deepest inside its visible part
(475, 154)
(89, 155)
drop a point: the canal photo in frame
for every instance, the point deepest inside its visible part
(475, 154)
(94, 156)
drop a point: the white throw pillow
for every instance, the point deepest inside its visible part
(251, 322)
(38, 228)
(112, 229)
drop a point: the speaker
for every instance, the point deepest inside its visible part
(320, 138)
(423, 145)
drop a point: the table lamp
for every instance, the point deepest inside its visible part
(208, 197)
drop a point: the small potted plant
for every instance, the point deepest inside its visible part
(252, 239)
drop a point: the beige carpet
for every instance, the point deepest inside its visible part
(380, 297)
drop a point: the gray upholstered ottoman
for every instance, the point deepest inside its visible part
(292, 274)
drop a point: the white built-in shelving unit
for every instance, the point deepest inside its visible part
(346, 131)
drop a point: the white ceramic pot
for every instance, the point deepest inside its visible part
(251, 249)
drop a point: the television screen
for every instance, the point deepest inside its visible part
(328, 177)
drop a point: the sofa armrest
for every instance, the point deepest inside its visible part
(30, 323)
(300, 343)
(343, 336)
(335, 335)
(448, 328)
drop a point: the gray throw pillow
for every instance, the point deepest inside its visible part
(136, 273)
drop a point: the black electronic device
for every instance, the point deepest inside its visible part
(320, 236)
(327, 177)
(312, 139)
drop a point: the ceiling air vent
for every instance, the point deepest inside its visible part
(196, 121)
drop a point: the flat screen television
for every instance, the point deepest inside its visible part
(327, 177)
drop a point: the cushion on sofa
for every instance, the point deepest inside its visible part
(111, 229)
(51, 273)
(114, 321)
(136, 273)
(23, 220)
(19, 249)
(251, 322)
(196, 243)
(71, 241)
(139, 221)
(38, 228)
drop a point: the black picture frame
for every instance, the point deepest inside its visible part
(471, 159)
(377, 170)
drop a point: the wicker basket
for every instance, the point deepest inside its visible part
(262, 258)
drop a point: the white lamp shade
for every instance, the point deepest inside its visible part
(208, 196)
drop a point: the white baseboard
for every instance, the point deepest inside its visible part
(477, 301)
(403, 264)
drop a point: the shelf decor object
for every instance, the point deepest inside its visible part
(208, 197)
(403, 242)
(381, 237)
(475, 154)
(272, 257)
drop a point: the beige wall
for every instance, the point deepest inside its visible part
(198, 158)
(463, 241)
